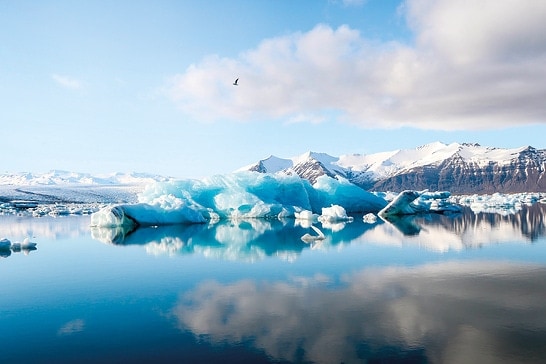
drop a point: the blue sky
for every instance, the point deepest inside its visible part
(105, 86)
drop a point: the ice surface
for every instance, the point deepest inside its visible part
(248, 195)
(240, 195)
(411, 202)
(500, 203)
(335, 213)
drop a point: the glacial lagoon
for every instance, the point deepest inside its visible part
(463, 288)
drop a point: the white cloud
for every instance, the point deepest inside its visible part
(67, 82)
(475, 64)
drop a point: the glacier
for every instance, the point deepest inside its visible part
(246, 194)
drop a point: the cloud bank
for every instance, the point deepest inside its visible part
(472, 65)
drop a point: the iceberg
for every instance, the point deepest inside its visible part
(251, 195)
(335, 213)
(6, 247)
(500, 203)
(240, 195)
(411, 202)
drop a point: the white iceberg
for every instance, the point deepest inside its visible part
(369, 218)
(334, 213)
(411, 202)
(500, 203)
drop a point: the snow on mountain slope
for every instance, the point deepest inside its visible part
(380, 164)
(460, 168)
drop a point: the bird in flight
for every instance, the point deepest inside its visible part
(236, 82)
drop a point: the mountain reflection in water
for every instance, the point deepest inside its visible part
(254, 239)
(465, 288)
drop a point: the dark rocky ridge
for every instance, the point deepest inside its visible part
(525, 171)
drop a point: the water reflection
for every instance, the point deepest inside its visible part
(451, 312)
(251, 240)
(20, 227)
(363, 301)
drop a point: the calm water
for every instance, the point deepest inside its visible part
(463, 289)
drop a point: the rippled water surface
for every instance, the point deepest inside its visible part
(469, 288)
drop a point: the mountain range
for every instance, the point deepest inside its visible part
(466, 168)
(59, 177)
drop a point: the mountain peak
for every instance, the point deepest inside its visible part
(459, 168)
(320, 157)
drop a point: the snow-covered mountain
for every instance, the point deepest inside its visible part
(459, 168)
(57, 177)
(73, 187)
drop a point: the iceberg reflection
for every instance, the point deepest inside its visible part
(243, 240)
(254, 239)
(448, 312)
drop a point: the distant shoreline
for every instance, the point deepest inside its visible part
(75, 193)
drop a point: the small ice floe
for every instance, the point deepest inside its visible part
(500, 203)
(369, 218)
(308, 238)
(305, 218)
(25, 245)
(6, 247)
(401, 205)
(5, 244)
(335, 213)
(305, 215)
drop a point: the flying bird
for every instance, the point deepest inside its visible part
(236, 82)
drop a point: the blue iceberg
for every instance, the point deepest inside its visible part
(240, 195)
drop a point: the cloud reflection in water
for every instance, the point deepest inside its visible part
(449, 312)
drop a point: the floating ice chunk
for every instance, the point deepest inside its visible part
(305, 215)
(5, 244)
(308, 238)
(436, 202)
(500, 203)
(305, 218)
(369, 218)
(411, 202)
(26, 244)
(334, 213)
(401, 205)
